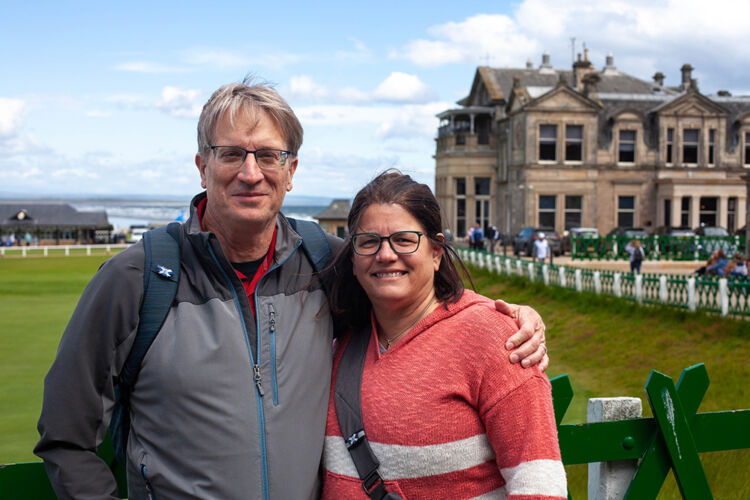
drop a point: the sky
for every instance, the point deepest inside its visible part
(103, 98)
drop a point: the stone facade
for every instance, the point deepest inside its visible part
(596, 148)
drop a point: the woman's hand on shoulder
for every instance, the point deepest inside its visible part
(528, 343)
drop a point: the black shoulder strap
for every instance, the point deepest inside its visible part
(314, 243)
(346, 398)
(161, 274)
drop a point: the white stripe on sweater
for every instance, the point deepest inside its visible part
(523, 479)
(399, 461)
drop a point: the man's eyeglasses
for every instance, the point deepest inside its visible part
(234, 156)
(402, 242)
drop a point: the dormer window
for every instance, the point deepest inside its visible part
(626, 152)
(547, 142)
(20, 215)
(690, 138)
(574, 143)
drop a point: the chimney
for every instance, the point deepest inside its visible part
(529, 64)
(516, 81)
(590, 82)
(581, 68)
(687, 72)
(545, 61)
(659, 78)
(610, 61)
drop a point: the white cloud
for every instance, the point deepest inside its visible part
(402, 87)
(644, 36)
(473, 40)
(11, 116)
(358, 54)
(147, 67)
(396, 88)
(180, 103)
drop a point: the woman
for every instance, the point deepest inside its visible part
(445, 412)
(636, 255)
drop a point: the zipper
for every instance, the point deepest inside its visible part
(272, 336)
(149, 488)
(256, 375)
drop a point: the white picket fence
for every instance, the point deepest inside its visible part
(60, 250)
(718, 295)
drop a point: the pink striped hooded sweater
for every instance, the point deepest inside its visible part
(448, 415)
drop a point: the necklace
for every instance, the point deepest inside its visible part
(391, 341)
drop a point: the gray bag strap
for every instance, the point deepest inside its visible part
(347, 400)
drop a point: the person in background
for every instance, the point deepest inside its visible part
(719, 267)
(490, 239)
(739, 268)
(477, 237)
(445, 413)
(541, 247)
(636, 255)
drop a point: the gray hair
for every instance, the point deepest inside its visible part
(249, 98)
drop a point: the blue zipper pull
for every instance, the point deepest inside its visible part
(149, 489)
(258, 381)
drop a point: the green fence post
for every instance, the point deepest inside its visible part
(654, 467)
(672, 419)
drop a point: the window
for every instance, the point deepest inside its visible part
(573, 205)
(547, 208)
(460, 140)
(711, 141)
(685, 212)
(460, 207)
(482, 202)
(547, 142)
(573, 143)
(731, 214)
(670, 141)
(690, 146)
(667, 213)
(747, 148)
(626, 211)
(708, 210)
(627, 146)
(482, 185)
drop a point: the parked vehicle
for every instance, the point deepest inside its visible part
(523, 242)
(711, 231)
(675, 232)
(578, 232)
(628, 232)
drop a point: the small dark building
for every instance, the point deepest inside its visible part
(53, 223)
(333, 218)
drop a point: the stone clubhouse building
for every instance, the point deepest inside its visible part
(561, 148)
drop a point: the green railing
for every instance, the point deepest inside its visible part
(656, 247)
(707, 293)
(671, 439)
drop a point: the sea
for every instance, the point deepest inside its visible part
(123, 214)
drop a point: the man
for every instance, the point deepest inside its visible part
(477, 236)
(231, 398)
(541, 247)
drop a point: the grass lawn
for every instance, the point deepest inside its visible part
(37, 297)
(606, 345)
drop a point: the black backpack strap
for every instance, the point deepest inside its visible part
(314, 243)
(161, 275)
(346, 398)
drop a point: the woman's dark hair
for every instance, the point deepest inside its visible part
(347, 299)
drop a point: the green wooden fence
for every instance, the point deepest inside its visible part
(707, 293)
(656, 247)
(671, 439)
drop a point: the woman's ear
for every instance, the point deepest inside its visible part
(437, 251)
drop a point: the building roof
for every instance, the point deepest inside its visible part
(35, 214)
(338, 209)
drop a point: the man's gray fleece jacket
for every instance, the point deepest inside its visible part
(200, 426)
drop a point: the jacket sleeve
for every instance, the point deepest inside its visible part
(78, 390)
